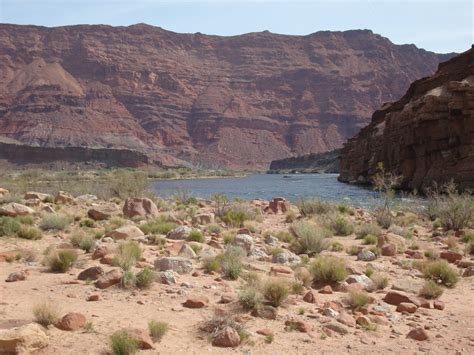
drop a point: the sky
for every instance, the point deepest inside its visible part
(438, 25)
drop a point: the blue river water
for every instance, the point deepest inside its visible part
(267, 186)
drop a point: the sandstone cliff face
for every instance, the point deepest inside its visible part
(426, 136)
(239, 101)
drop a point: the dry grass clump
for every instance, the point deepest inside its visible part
(27, 232)
(157, 329)
(128, 254)
(145, 278)
(45, 313)
(122, 343)
(328, 269)
(55, 221)
(229, 263)
(276, 291)
(358, 299)
(380, 280)
(440, 272)
(431, 290)
(60, 260)
(309, 238)
(339, 225)
(367, 229)
(314, 206)
(9, 226)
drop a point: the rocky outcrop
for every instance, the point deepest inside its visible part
(426, 136)
(311, 163)
(239, 101)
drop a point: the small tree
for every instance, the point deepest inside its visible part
(222, 204)
(384, 184)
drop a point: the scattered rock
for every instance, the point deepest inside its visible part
(111, 278)
(450, 256)
(271, 240)
(366, 255)
(179, 233)
(196, 302)
(279, 269)
(468, 272)
(71, 321)
(418, 334)
(140, 207)
(389, 249)
(327, 290)
(14, 209)
(363, 321)
(244, 241)
(125, 232)
(298, 324)
(363, 280)
(92, 273)
(100, 213)
(336, 327)
(31, 195)
(346, 319)
(437, 304)
(17, 276)
(167, 277)
(406, 307)
(176, 264)
(265, 312)
(226, 338)
(310, 297)
(397, 297)
(93, 298)
(203, 218)
(23, 340)
(265, 332)
(228, 298)
(64, 198)
(278, 204)
(187, 252)
(143, 338)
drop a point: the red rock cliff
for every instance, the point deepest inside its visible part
(238, 101)
(426, 136)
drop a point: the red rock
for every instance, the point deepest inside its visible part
(111, 278)
(279, 269)
(143, 338)
(418, 334)
(406, 307)
(226, 338)
(326, 290)
(437, 304)
(278, 205)
(389, 249)
(346, 319)
(100, 252)
(450, 256)
(93, 298)
(140, 207)
(107, 259)
(363, 321)
(310, 297)
(298, 324)
(17, 276)
(196, 302)
(424, 303)
(71, 321)
(397, 297)
(378, 319)
(265, 332)
(92, 273)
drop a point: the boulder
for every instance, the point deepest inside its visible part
(366, 255)
(142, 337)
(418, 334)
(278, 205)
(92, 273)
(196, 302)
(265, 312)
(31, 195)
(310, 297)
(204, 218)
(366, 282)
(23, 340)
(406, 307)
(17, 276)
(187, 252)
(389, 249)
(397, 297)
(103, 212)
(226, 338)
(174, 263)
(140, 207)
(125, 232)
(450, 256)
(244, 241)
(71, 321)
(439, 305)
(179, 233)
(64, 198)
(14, 209)
(336, 327)
(111, 278)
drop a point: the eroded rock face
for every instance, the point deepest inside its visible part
(23, 340)
(144, 89)
(426, 136)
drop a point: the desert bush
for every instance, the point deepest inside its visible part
(60, 260)
(239, 212)
(128, 254)
(230, 262)
(9, 226)
(353, 250)
(228, 237)
(128, 280)
(157, 329)
(28, 220)
(31, 233)
(451, 242)
(384, 184)
(358, 299)
(383, 218)
(276, 291)
(328, 269)
(380, 280)
(470, 248)
(87, 222)
(314, 206)
(344, 207)
(336, 246)
(9, 199)
(87, 244)
(370, 239)
(122, 343)
(213, 228)
(250, 296)
(196, 236)
(285, 236)
(290, 216)
(431, 254)
(440, 271)
(211, 265)
(454, 210)
(222, 320)
(55, 221)
(431, 290)
(157, 227)
(467, 237)
(303, 276)
(309, 238)
(366, 229)
(45, 314)
(341, 226)
(126, 183)
(221, 204)
(145, 278)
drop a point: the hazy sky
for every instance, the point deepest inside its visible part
(437, 25)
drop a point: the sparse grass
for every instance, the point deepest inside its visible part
(303, 276)
(250, 297)
(451, 242)
(230, 262)
(27, 232)
(158, 226)
(122, 343)
(358, 299)
(341, 226)
(328, 269)
(9, 226)
(470, 248)
(276, 291)
(336, 246)
(353, 250)
(367, 229)
(45, 313)
(440, 271)
(296, 287)
(467, 237)
(87, 222)
(269, 339)
(145, 278)
(228, 237)
(431, 290)
(383, 218)
(344, 208)
(431, 254)
(213, 228)
(285, 236)
(370, 239)
(60, 260)
(87, 244)
(128, 280)
(290, 216)
(157, 329)
(128, 254)
(196, 236)
(380, 281)
(239, 212)
(55, 221)
(211, 265)
(309, 238)
(309, 207)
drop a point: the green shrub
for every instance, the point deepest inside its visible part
(370, 239)
(366, 229)
(336, 246)
(309, 238)
(157, 329)
(431, 290)
(467, 237)
(290, 216)
(431, 254)
(87, 244)
(157, 227)
(28, 220)
(328, 269)
(383, 218)
(276, 291)
(87, 222)
(60, 260)
(285, 236)
(45, 314)
(128, 280)
(31, 233)
(9, 226)
(455, 210)
(211, 265)
(358, 299)
(145, 278)
(196, 236)
(55, 221)
(127, 255)
(213, 228)
(380, 281)
(353, 250)
(239, 212)
(343, 207)
(470, 248)
(228, 237)
(308, 207)
(122, 343)
(341, 226)
(440, 271)
(250, 297)
(230, 262)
